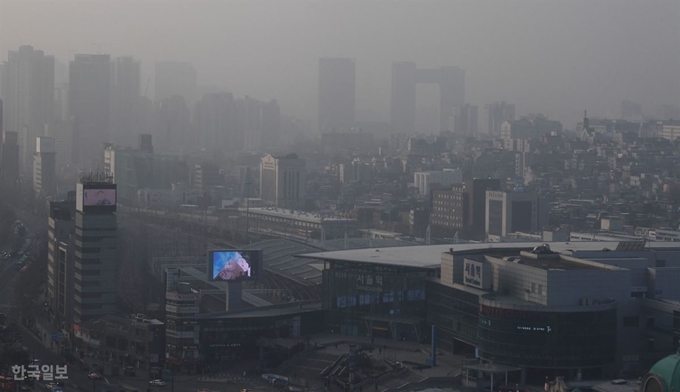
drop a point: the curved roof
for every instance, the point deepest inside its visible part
(668, 369)
(279, 258)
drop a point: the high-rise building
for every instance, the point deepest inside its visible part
(337, 86)
(216, 124)
(125, 101)
(172, 125)
(96, 249)
(27, 81)
(476, 189)
(60, 260)
(136, 169)
(9, 160)
(181, 331)
(44, 167)
(450, 211)
(89, 106)
(271, 125)
(176, 79)
(206, 176)
(466, 120)
(405, 78)
(509, 212)
(283, 181)
(496, 114)
(426, 181)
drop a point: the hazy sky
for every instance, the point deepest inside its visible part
(552, 56)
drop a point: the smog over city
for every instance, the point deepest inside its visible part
(340, 195)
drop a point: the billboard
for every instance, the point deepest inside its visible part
(99, 197)
(234, 265)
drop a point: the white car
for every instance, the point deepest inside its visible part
(157, 383)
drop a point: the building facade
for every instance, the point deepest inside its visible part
(337, 84)
(444, 179)
(27, 81)
(96, 250)
(181, 332)
(450, 211)
(283, 181)
(590, 310)
(89, 106)
(508, 212)
(405, 78)
(60, 260)
(44, 167)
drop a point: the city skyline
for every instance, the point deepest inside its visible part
(581, 50)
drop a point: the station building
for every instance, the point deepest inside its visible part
(580, 309)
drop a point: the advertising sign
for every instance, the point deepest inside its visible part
(474, 274)
(99, 197)
(234, 265)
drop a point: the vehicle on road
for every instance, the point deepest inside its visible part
(157, 383)
(95, 376)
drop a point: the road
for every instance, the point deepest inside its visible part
(36, 228)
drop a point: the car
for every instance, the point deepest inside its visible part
(157, 383)
(50, 385)
(94, 376)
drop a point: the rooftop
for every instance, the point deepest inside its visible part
(429, 256)
(555, 262)
(297, 215)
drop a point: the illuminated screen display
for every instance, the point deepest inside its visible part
(233, 265)
(99, 197)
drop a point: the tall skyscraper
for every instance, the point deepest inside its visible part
(89, 106)
(27, 81)
(466, 120)
(283, 181)
(271, 125)
(125, 111)
(9, 160)
(405, 78)
(60, 259)
(173, 119)
(496, 114)
(44, 167)
(96, 245)
(176, 78)
(215, 122)
(337, 85)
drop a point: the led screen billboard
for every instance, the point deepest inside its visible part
(234, 265)
(99, 197)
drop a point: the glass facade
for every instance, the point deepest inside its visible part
(455, 313)
(375, 300)
(547, 339)
(239, 338)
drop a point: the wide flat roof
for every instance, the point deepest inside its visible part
(429, 256)
(556, 262)
(297, 215)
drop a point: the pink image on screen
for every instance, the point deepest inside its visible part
(99, 197)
